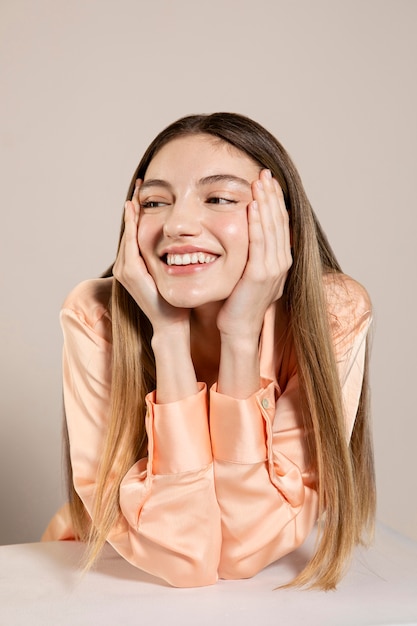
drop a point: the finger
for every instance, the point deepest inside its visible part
(274, 217)
(121, 253)
(281, 201)
(135, 198)
(277, 214)
(256, 253)
(283, 218)
(130, 235)
(263, 193)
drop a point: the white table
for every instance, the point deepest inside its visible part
(40, 584)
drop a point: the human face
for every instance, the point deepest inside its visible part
(193, 226)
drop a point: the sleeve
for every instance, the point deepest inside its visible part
(350, 312)
(60, 527)
(170, 523)
(267, 498)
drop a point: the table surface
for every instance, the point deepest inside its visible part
(40, 583)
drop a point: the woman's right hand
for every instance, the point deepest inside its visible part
(131, 271)
(175, 373)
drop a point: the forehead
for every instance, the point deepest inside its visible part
(200, 155)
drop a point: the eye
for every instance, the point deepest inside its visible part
(153, 204)
(220, 200)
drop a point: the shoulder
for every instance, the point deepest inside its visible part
(347, 300)
(89, 301)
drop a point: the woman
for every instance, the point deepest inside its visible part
(215, 377)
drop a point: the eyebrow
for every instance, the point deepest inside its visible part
(206, 180)
(223, 178)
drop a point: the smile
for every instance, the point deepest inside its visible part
(190, 258)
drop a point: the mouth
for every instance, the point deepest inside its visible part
(189, 258)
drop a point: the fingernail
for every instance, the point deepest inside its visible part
(268, 173)
(259, 184)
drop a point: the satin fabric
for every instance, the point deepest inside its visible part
(227, 487)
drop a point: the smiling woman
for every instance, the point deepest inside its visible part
(215, 378)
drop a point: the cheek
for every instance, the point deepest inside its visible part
(234, 225)
(146, 235)
(236, 237)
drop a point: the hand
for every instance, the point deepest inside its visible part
(130, 270)
(269, 259)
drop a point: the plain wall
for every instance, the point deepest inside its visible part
(85, 85)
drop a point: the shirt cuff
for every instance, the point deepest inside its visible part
(238, 427)
(180, 434)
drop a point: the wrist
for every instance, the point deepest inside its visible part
(247, 330)
(239, 371)
(240, 342)
(174, 333)
(175, 375)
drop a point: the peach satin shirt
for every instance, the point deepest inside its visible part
(226, 487)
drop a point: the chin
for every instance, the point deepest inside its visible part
(180, 302)
(193, 300)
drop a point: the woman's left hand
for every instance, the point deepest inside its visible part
(269, 259)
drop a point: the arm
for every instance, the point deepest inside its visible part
(170, 521)
(266, 495)
(171, 325)
(241, 318)
(264, 484)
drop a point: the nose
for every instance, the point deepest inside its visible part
(183, 219)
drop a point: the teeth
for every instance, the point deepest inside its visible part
(190, 259)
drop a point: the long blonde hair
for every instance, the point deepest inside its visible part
(346, 484)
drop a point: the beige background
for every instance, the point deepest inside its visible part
(85, 85)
